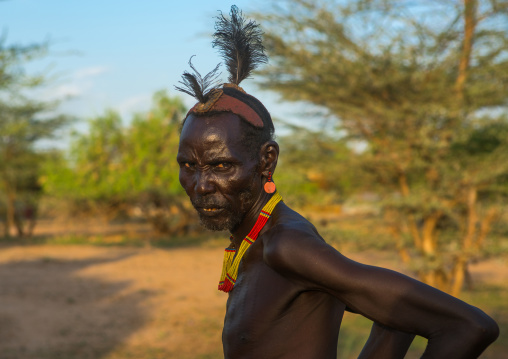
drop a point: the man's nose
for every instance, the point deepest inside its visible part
(204, 183)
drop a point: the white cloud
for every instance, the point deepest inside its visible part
(78, 84)
(89, 72)
(66, 90)
(134, 104)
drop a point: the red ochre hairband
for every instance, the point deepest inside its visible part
(219, 101)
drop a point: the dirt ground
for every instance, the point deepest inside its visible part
(90, 302)
(104, 302)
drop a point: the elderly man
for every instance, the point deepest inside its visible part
(287, 288)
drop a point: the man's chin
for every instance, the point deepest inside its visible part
(219, 224)
(213, 227)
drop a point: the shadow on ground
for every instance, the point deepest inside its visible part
(65, 314)
(119, 239)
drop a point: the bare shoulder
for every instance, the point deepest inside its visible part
(289, 229)
(291, 242)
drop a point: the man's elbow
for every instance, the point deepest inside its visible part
(483, 331)
(489, 331)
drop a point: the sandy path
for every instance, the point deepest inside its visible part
(85, 302)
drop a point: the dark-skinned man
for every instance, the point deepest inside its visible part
(287, 288)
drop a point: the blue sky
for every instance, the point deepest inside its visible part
(116, 54)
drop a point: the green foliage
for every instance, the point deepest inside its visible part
(115, 167)
(13, 78)
(424, 85)
(304, 171)
(23, 122)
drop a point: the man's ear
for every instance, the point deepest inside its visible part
(269, 154)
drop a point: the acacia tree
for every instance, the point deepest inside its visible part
(422, 84)
(304, 169)
(21, 127)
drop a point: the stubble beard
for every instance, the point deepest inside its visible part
(230, 219)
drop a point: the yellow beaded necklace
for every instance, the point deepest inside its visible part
(231, 263)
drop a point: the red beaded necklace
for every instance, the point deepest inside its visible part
(232, 262)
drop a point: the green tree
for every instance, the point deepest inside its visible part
(420, 83)
(23, 122)
(114, 167)
(305, 172)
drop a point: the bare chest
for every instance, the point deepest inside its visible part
(264, 308)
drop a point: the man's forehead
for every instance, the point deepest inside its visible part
(224, 127)
(212, 136)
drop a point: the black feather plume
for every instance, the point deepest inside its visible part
(197, 86)
(240, 44)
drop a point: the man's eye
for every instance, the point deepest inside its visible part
(223, 166)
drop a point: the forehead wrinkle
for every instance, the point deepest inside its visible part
(218, 151)
(212, 136)
(211, 147)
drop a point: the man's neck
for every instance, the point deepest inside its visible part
(250, 219)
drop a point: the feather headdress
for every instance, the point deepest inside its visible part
(240, 44)
(199, 87)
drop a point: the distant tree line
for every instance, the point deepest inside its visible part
(117, 168)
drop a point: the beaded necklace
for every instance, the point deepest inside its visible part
(231, 263)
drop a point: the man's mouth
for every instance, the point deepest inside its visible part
(210, 211)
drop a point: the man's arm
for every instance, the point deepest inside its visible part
(386, 343)
(454, 328)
